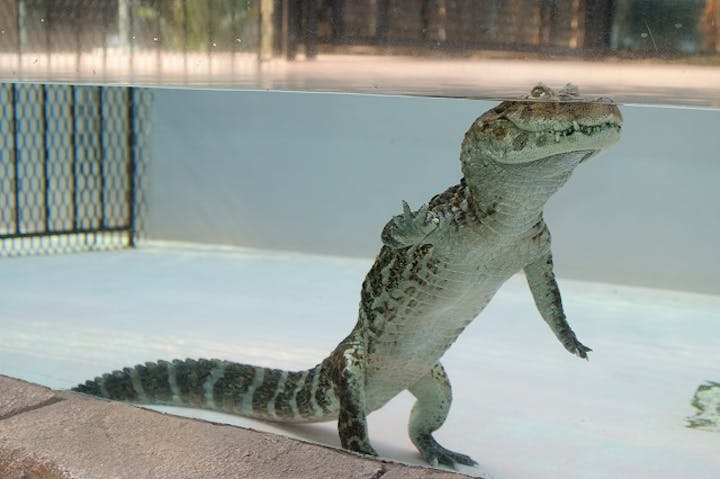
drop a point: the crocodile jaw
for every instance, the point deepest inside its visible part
(545, 124)
(509, 143)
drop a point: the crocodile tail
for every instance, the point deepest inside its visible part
(225, 386)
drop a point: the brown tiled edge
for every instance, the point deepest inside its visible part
(46, 434)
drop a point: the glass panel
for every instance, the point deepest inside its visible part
(659, 51)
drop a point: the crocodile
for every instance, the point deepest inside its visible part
(706, 402)
(439, 266)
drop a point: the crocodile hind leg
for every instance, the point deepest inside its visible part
(349, 381)
(434, 397)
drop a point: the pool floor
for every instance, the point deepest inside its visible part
(523, 407)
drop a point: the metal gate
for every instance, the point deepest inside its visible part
(71, 162)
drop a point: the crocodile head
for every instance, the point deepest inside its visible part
(558, 127)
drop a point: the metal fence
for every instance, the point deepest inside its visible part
(71, 164)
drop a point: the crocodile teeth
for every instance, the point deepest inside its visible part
(574, 128)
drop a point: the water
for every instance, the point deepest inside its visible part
(264, 211)
(323, 173)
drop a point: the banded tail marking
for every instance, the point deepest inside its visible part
(209, 385)
(263, 395)
(233, 388)
(271, 410)
(222, 386)
(285, 401)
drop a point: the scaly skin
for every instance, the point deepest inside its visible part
(438, 268)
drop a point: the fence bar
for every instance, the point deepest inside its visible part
(16, 160)
(46, 159)
(185, 38)
(19, 29)
(80, 231)
(101, 155)
(74, 161)
(48, 40)
(131, 166)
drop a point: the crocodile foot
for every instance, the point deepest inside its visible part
(436, 455)
(577, 348)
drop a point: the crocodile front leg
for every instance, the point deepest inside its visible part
(546, 293)
(349, 365)
(434, 396)
(409, 228)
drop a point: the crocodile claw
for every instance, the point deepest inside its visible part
(435, 455)
(579, 350)
(409, 228)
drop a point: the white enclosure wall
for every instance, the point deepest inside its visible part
(322, 173)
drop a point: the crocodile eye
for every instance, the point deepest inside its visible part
(539, 92)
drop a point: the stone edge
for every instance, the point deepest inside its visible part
(22, 462)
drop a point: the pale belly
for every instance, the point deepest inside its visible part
(420, 317)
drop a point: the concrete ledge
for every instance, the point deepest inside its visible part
(47, 434)
(18, 396)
